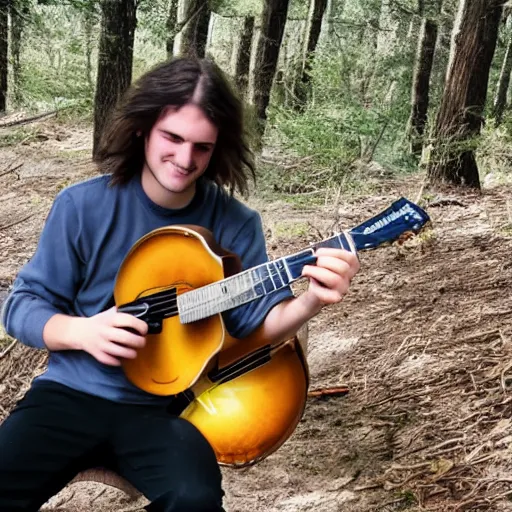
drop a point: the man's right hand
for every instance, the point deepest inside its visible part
(108, 336)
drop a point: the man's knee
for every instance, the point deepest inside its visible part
(188, 499)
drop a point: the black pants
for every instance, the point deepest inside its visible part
(55, 432)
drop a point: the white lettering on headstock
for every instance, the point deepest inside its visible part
(406, 209)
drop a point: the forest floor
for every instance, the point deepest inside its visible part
(423, 340)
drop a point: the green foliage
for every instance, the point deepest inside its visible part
(494, 154)
(77, 111)
(407, 499)
(298, 9)
(316, 132)
(20, 135)
(54, 68)
(60, 51)
(238, 8)
(151, 22)
(359, 98)
(77, 4)
(5, 339)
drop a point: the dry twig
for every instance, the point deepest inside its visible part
(13, 169)
(18, 221)
(8, 349)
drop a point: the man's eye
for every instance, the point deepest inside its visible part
(203, 149)
(173, 138)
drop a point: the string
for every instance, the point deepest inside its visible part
(174, 310)
(159, 300)
(247, 363)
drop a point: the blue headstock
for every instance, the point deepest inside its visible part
(401, 217)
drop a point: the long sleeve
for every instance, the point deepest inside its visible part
(250, 246)
(48, 283)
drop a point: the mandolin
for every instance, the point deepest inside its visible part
(246, 396)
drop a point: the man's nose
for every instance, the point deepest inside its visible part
(184, 156)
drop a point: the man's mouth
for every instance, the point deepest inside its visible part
(181, 170)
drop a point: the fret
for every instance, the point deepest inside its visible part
(271, 274)
(296, 262)
(345, 242)
(259, 288)
(283, 275)
(287, 269)
(268, 278)
(339, 241)
(263, 283)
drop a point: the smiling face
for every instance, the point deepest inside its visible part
(177, 152)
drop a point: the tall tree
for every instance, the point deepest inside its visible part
(500, 99)
(459, 120)
(273, 21)
(243, 55)
(194, 32)
(115, 59)
(20, 10)
(89, 18)
(4, 52)
(333, 7)
(429, 11)
(442, 51)
(172, 27)
(203, 22)
(314, 27)
(369, 40)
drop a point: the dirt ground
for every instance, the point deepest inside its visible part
(423, 341)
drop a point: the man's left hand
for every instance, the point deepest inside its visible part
(329, 279)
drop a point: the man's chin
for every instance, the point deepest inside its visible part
(178, 188)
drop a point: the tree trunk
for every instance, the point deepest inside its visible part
(369, 40)
(459, 119)
(421, 80)
(243, 56)
(334, 8)
(194, 33)
(19, 11)
(88, 19)
(4, 52)
(442, 51)
(273, 20)
(203, 22)
(172, 28)
(313, 29)
(500, 100)
(115, 59)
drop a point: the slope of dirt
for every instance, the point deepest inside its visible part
(423, 340)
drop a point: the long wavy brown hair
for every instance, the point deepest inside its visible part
(176, 83)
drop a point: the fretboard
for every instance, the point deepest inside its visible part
(254, 283)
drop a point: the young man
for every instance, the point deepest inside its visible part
(170, 149)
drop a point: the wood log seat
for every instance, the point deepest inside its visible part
(107, 477)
